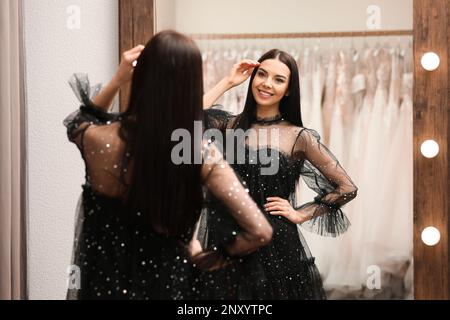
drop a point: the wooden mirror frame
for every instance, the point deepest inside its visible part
(431, 97)
(431, 121)
(136, 26)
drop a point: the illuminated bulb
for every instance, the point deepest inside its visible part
(431, 236)
(429, 149)
(430, 61)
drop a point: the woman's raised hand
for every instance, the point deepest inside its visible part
(127, 64)
(241, 71)
(123, 75)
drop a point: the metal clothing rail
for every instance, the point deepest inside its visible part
(302, 35)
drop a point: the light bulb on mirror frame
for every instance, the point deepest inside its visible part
(429, 149)
(430, 61)
(431, 236)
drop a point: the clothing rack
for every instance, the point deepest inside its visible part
(302, 35)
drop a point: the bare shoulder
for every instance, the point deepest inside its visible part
(104, 137)
(293, 130)
(304, 136)
(304, 131)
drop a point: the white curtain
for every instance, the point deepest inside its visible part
(12, 154)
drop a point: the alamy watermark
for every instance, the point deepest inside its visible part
(236, 147)
(373, 21)
(74, 17)
(74, 277)
(373, 282)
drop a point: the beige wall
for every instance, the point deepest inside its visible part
(268, 16)
(55, 169)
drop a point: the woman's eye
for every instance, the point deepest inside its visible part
(278, 80)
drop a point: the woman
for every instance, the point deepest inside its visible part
(273, 119)
(138, 209)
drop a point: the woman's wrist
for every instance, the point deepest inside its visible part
(116, 83)
(303, 216)
(228, 83)
(215, 93)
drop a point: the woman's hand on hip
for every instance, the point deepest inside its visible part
(277, 206)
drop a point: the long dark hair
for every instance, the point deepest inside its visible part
(166, 94)
(290, 107)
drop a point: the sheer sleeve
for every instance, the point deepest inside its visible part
(88, 114)
(322, 173)
(217, 118)
(221, 180)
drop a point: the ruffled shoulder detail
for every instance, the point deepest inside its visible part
(217, 118)
(88, 114)
(80, 84)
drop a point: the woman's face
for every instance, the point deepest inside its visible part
(271, 82)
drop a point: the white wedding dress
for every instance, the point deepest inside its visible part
(325, 249)
(330, 92)
(376, 150)
(346, 256)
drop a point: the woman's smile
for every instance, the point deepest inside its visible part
(264, 94)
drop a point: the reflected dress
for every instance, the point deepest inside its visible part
(288, 153)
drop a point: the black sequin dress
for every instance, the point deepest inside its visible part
(272, 167)
(116, 253)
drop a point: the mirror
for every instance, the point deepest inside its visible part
(356, 92)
